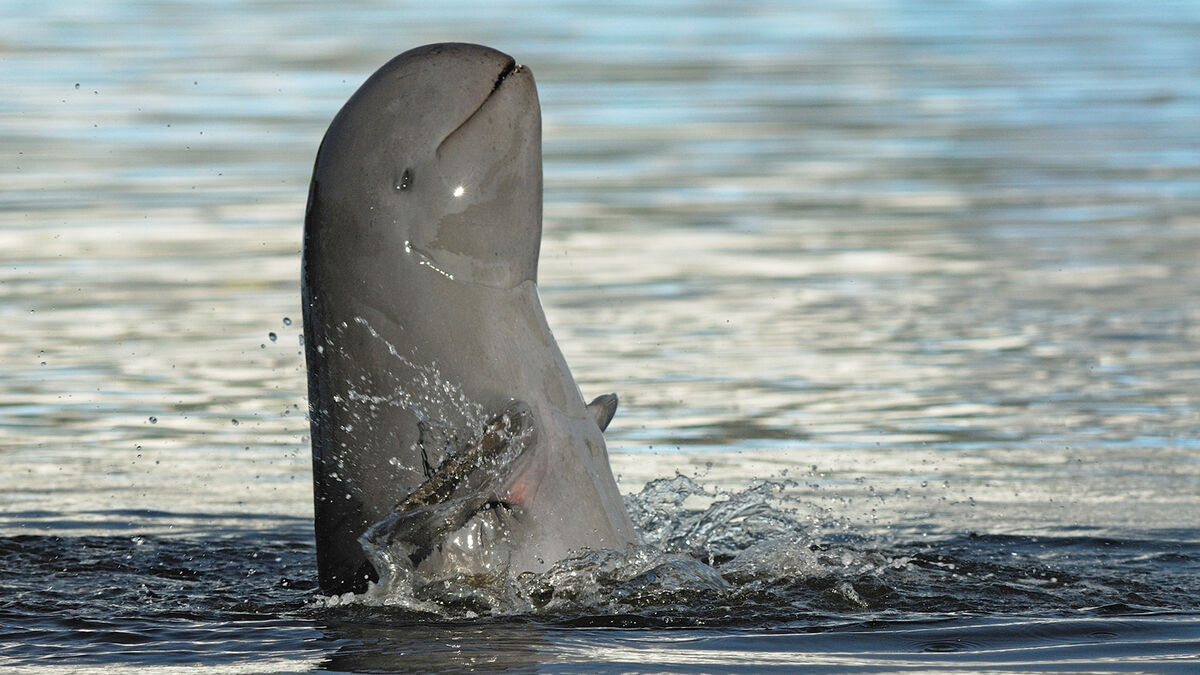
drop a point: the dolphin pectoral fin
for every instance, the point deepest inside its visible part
(505, 437)
(463, 484)
(603, 408)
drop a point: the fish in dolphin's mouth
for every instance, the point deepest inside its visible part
(465, 484)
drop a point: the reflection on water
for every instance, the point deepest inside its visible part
(935, 262)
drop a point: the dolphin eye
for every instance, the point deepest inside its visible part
(404, 181)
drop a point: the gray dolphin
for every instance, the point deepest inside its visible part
(443, 414)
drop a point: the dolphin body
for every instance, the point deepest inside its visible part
(443, 415)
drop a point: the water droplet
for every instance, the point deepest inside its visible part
(153, 420)
(287, 321)
(235, 422)
(272, 337)
(76, 85)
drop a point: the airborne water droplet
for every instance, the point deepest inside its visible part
(272, 336)
(153, 420)
(287, 321)
(235, 422)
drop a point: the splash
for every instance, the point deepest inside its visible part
(702, 549)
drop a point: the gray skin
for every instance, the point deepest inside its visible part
(422, 323)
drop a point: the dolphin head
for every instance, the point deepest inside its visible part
(438, 155)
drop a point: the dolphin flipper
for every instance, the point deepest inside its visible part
(602, 408)
(461, 486)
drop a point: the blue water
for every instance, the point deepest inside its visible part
(929, 269)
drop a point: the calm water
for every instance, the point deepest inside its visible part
(930, 269)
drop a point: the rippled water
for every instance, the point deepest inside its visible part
(928, 269)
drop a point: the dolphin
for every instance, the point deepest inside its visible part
(444, 419)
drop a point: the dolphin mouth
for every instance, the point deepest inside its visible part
(510, 67)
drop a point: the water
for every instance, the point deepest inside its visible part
(928, 268)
